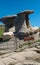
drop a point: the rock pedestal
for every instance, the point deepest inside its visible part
(21, 26)
(22, 21)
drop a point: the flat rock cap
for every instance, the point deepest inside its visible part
(8, 17)
(26, 12)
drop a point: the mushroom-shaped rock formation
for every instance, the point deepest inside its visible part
(22, 21)
(8, 21)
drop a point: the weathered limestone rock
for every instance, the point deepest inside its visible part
(22, 21)
(27, 56)
(31, 49)
(9, 60)
(1, 62)
(19, 63)
(38, 47)
(21, 26)
(24, 33)
(18, 57)
(8, 21)
(30, 62)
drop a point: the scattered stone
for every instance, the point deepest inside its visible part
(38, 47)
(38, 51)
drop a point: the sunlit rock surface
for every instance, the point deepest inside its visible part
(27, 56)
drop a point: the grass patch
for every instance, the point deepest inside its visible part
(38, 41)
(29, 44)
(2, 29)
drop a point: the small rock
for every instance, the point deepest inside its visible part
(38, 47)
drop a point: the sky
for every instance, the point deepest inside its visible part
(12, 7)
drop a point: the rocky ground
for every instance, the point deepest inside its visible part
(30, 56)
(26, 54)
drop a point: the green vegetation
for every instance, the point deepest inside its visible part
(2, 29)
(21, 45)
(38, 41)
(25, 44)
(29, 43)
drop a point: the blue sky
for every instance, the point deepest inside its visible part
(10, 7)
